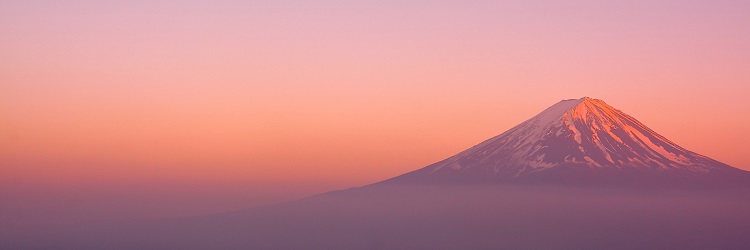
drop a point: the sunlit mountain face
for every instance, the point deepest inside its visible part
(578, 141)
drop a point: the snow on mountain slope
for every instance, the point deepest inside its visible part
(573, 140)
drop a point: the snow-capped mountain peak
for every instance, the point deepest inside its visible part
(569, 140)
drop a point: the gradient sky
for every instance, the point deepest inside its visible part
(288, 98)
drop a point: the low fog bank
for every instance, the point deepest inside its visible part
(428, 217)
(29, 208)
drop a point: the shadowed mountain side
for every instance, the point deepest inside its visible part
(457, 217)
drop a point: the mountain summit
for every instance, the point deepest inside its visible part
(577, 141)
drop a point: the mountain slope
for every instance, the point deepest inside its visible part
(578, 141)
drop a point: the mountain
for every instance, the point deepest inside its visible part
(578, 141)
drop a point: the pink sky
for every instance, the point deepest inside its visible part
(332, 94)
